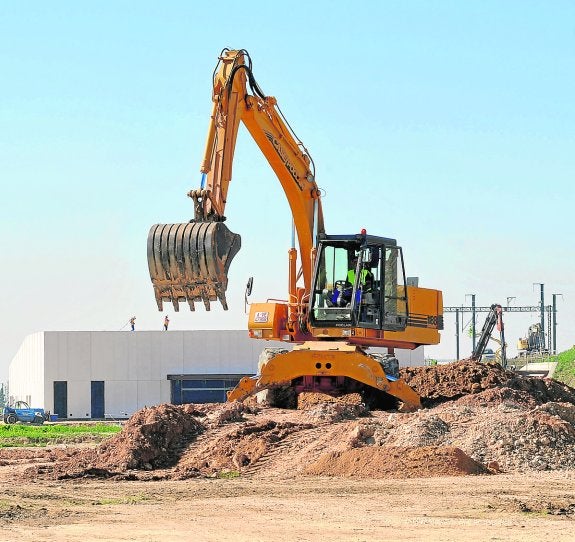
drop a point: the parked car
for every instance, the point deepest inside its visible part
(21, 412)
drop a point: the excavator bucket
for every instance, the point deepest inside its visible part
(190, 262)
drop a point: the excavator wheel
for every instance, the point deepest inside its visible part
(389, 363)
(280, 396)
(190, 262)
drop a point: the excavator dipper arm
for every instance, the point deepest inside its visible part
(190, 262)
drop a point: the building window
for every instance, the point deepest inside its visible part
(201, 388)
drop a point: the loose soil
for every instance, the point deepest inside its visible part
(490, 456)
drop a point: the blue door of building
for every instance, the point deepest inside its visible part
(61, 399)
(98, 399)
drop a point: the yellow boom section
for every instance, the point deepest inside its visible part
(286, 155)
(191, 263)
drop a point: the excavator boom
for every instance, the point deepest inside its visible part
(190, 262)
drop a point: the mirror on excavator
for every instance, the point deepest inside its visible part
(249, 286)
(248, 292)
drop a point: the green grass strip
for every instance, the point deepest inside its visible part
(565, 371)
(41, 435)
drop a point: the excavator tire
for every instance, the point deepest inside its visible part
(190, 262)
(389, 363)
(282, 397)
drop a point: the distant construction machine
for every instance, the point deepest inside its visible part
(494, 318)
(534, 343)
(348, 293)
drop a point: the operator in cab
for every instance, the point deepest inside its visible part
(343, 297)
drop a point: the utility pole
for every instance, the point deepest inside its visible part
(554, 316)
(472, 317)
(457, 334)
(542, 308)
(501, 328)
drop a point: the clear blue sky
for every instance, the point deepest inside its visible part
(447, 125)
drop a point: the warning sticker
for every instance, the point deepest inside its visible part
(261, 317)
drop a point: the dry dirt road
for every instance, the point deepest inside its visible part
(400, 476)
(526, 507)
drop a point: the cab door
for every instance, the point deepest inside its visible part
(367, 292)
(394, 290)
(380, 296)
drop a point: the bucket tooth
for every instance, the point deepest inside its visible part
(190, 299)
(189, 262)
(159, 300)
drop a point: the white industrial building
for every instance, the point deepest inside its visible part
(112, 374)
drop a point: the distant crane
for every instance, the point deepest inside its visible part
(494, 318)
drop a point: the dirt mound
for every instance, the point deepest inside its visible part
(519, 438)
(322, 407)
(442, 383)
(497, 396)
(306, 400)
(150, 439)
(396, 462)
(234, 450)
(477, 415)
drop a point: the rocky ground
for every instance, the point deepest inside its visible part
(489, 457)
(478, 419)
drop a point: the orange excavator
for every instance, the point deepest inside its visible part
(346, 293)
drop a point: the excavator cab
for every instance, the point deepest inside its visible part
(359, 281)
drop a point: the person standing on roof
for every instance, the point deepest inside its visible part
(166, 323)
(133, 322)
